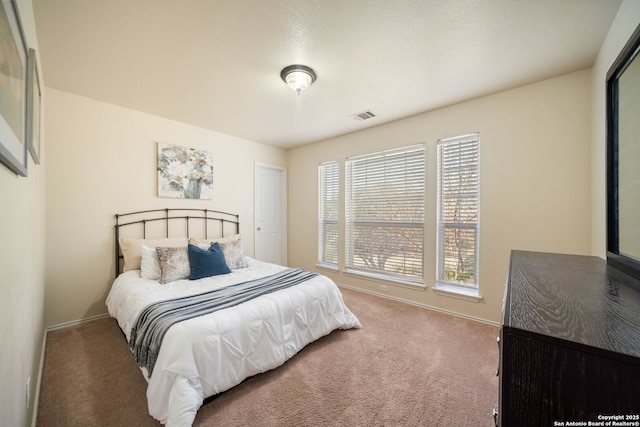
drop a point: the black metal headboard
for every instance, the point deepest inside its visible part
(181, 222)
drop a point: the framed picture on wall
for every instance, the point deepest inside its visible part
(13, 80)
(185, 173)
(34, 102)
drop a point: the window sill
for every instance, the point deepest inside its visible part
(384, 279)
(330, 267)
(457, 292)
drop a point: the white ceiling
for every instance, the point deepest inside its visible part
(216, 63)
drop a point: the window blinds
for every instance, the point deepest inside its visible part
(458, 210)
(385, 213)
(328, 213)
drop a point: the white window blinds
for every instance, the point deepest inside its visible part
(458, 210)
(328, 214)
(385, 213)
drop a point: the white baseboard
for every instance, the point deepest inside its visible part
(76, 322)
(417, 304)
(36, 399)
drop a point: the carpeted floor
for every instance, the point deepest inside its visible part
(407, 366)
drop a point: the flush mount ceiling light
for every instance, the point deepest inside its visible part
(298, 77)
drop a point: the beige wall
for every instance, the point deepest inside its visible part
(22, 275)
(626, 21)
(102, 161)
(534, 182)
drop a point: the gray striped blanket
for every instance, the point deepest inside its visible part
(155, 320)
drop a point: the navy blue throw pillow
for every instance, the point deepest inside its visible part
(207, 263)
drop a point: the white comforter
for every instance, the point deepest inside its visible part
(210, 354)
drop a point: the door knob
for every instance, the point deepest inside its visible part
(259, 228)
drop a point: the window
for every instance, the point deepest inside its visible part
(458, 209)
(328, 214)
(385, 214)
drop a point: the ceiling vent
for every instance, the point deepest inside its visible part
(365, 115)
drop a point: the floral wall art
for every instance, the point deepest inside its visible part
(185, 173)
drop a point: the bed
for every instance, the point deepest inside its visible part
(205, 354)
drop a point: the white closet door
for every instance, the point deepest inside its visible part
(270, 214)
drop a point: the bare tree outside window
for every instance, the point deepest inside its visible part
(328, 190)
(458, 207)
(385, 213)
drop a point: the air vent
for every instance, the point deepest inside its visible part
(365, 115)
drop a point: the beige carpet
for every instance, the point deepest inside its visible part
(407, 366)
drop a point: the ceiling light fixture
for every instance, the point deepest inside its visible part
(298, 77)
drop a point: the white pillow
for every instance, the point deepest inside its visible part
(150, 264)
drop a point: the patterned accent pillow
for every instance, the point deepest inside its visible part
(231, 246)
(174, 264)
(234, 254)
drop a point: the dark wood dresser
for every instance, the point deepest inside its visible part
(569, 342)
